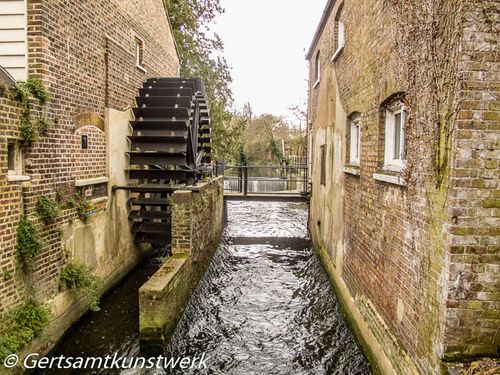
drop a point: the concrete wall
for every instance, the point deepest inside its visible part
(197, 222)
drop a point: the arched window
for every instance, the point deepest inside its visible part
(395, 134)
(354, 138)
(317, 69)
(339, 33)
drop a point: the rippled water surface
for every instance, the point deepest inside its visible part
(265, 305)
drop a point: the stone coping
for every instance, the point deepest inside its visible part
(91, 181)
(164, 280)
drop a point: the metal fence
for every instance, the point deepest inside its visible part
(269, 179)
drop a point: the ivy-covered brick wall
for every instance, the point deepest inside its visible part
(84, 55)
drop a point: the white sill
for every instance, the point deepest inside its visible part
(337, 53)
(17, 178)
(316, 84)
(99, 199)
(395, 167)
(91, 181)
(391, 179)
(352, 169)
(140, 67)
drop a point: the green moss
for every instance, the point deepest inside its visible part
(491, 203)
(347, 315)
(80, 278)
(179, 256)
(20, 326)
(28, 241)
(7, 275)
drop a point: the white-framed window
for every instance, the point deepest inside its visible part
(139, 54)
(395, 134)
(355, 140)
(317, 69)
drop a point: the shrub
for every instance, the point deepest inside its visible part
(82, 206)
(80, 278)
(46, 209)
(20, 326)
(27, 130)
(20, 93)
(37, 89)
(43, 125)
(28, 241)
(32, 87)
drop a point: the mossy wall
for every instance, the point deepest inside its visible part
(197, 221)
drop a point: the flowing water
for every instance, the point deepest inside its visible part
(264, 306)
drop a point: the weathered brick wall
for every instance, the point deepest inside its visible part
(11, 289)
(390, 244)
(473, 260)
(372, 250)
(84, 53)
(197, 223)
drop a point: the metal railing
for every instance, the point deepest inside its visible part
(269, 179)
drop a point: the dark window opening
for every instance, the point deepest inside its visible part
(323, 165)
(85, 142)
(397, 136)
(11, 156)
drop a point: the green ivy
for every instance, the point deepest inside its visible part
(37, 89)
(82, 206)
(80, 277)
(27, 130)
(46, 209)
(32, 87)
(7, 275)
(22, 92)
(28, 241)
(20, 326)
(43, 125)
(3, 89)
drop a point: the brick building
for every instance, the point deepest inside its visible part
(91, 56)
(413, 253)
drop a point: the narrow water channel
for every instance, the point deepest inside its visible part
(264, 306)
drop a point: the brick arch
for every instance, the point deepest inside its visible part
(353, 115)
(89, 119)
(89, 162)
(391, 99)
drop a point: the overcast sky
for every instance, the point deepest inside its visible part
(265, 44)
